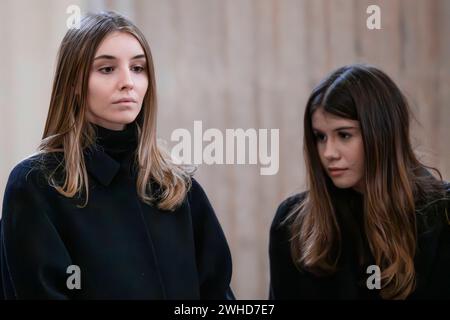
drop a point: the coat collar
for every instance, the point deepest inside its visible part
(103, 167)
(100, 159)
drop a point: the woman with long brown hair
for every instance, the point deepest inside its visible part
(374, 223)
(101, 211)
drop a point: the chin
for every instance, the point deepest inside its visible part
(126, 119)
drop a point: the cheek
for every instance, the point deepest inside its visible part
(98, 91)
(141, 87)
(99, 85)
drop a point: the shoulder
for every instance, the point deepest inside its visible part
(446, 205)
(25, 172)
(199, 204)
(435, 215)
(196, 192)
(30, 174)
(447, 188)
(28, 193)
(206, 224)
(285, 208)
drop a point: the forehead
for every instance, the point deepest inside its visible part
(120, 45)
(323, 120)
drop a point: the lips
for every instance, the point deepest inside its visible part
(336, 171)
(124, 100)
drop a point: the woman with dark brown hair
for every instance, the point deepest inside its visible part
(101, 211)
(374, 223)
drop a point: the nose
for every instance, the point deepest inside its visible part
(126, 80)
(331, 151)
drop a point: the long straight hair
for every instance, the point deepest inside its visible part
(394, 180)
(68, 131)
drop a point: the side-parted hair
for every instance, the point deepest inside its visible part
(68, 131)
(395, 181)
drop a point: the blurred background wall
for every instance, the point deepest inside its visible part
(240, 64)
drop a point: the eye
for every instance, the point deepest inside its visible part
(345, 135)
(106, 70)
(320, 137)
(137, 69)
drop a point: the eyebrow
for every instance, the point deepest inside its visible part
(109, 57)
(340, 128)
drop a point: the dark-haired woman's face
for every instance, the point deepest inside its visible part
(118, 81)
(341, 149)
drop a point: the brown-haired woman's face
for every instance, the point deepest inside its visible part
(118, 81)
(341, 149)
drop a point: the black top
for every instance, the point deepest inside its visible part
(432, 261)
(117, 144)
(125, 248)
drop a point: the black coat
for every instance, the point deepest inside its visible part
(432, 261)
(125, 249)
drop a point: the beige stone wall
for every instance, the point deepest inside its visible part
(240, 64)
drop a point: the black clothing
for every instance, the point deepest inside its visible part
(432, 261)
(125, 248)
(117, 144)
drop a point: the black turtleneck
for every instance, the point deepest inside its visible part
(117, 144)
